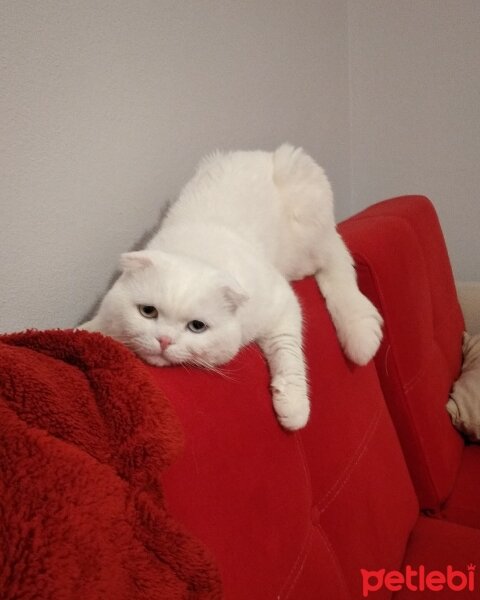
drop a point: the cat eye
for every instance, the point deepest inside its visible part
(147, 311)
(197, 326)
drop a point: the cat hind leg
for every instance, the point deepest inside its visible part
(311, 245)
(357, 322)
(307, 210)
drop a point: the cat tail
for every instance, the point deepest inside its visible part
(308, 200)
(298, 176)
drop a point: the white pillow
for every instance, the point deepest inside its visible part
(464, 403)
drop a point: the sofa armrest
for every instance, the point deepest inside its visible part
(469, 298)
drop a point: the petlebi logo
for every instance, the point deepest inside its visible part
(419, 579)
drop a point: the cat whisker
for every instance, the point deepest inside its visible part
(201, 362)
(185, 366)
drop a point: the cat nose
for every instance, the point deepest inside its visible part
(165, 341)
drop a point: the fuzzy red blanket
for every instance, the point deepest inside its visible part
(84, 436)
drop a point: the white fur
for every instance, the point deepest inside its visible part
(246, 224)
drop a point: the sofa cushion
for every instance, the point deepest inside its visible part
(290, 515)
(444, 547)
(403, 266)
(462, 506)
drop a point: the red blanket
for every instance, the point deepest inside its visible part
(84, 436)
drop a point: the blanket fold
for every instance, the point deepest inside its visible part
(84, 437)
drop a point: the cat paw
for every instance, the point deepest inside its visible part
(291, 404)
(363, 333)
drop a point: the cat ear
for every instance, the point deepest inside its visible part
(131, 261)
(233, 293)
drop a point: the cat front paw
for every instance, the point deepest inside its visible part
(290, 401)
(362, 335)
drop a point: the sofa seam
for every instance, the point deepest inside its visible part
(322, 505)
(296, 570)
(334, 556)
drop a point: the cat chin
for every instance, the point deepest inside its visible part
(160, 360)
(156, 360)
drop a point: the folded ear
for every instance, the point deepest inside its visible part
(132, 261)
(233, 292)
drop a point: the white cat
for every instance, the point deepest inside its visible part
(215, 276)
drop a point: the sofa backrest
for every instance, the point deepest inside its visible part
(403, 266)
(290, 515)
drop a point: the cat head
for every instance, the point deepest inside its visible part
(171, 309)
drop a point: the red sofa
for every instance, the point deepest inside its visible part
(331, 512)
(378, 497)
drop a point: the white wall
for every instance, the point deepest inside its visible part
(105, 107)
(415, 98)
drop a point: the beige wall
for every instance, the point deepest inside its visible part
(415, 98)
(106, 106)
